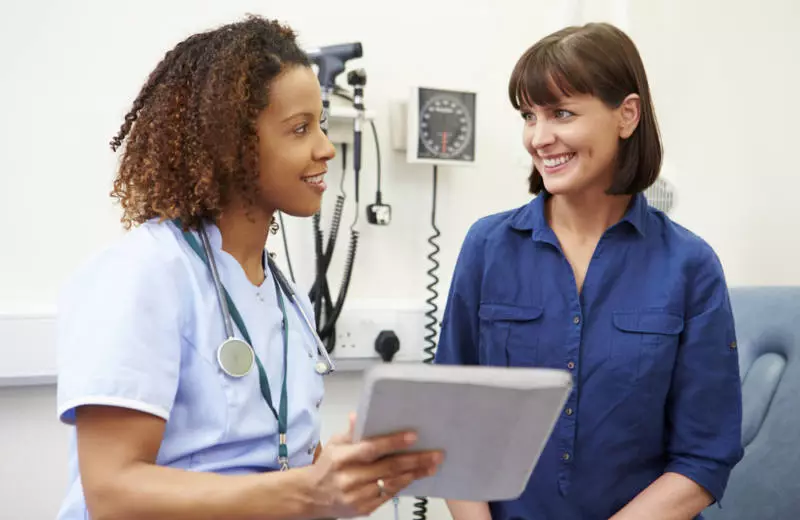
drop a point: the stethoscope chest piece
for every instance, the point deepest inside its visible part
(321, 368)
(235, 357)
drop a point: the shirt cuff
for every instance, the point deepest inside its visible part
(711, 476)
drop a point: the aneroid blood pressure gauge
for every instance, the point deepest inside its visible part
(441, 127)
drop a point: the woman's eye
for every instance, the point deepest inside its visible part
(301, 129)
(563, 114)
(528, 117)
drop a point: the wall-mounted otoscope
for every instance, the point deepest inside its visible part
(357, 79)
(330, 61)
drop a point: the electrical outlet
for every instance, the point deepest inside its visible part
(361, 321)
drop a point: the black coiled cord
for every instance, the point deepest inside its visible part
(320, 294)
(430, 326)
(421, 505)
(329, 330)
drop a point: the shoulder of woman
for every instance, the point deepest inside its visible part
(490, 228)
(149, 255)
(688, 244)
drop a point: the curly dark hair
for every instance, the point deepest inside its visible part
(191, 133)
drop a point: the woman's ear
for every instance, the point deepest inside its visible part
(630, 112)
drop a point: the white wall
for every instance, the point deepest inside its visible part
(722, 78)
(725, 78)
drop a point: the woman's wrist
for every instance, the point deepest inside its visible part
(298, 492)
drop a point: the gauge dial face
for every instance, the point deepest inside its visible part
(446, 126)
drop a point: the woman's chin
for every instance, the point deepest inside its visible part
(559, 185)
(305, 211)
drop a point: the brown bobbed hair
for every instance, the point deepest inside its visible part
(600, 60)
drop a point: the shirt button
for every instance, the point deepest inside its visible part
(568, 411)
(570, 365)
(319, 403)
(565, 456)
(576, 320)
(733, 345)
(312, 449)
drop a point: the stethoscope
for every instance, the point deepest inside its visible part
(236, 356)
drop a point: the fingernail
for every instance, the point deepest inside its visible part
(410, 438)
(437, 458)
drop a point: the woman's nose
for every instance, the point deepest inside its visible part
(542, 135)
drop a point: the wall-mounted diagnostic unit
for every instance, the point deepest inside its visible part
(441, 127)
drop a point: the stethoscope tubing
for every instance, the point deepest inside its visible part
(284, 286)
(284, 283)
(226, 313)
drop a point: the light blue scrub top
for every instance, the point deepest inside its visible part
(139, 326)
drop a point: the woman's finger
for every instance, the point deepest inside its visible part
(338, 439)
(345, 438)
(391, 467)
(369, 497)
(370, 450)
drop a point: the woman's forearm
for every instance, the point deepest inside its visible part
(462, 510)
(148, 492)
(670, 497)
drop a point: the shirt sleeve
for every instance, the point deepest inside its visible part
(704, 410)
(119, 333)
(458, 339)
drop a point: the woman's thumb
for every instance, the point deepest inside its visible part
(345, 438)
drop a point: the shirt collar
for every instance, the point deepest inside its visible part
(637, 213)
(531, 217)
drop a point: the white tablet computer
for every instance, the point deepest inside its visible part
(491, 422)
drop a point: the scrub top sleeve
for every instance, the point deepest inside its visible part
(119, 334)
(458, 339)
(704, 408)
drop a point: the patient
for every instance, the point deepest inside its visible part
(588, 278)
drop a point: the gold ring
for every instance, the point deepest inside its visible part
(381, 487)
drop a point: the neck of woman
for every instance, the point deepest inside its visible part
(244, 236)
(588, 214)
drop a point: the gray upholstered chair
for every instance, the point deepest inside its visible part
(766, 483)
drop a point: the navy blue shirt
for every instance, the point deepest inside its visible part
(650, 342)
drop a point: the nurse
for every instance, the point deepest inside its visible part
(589, 279)
(186, 363)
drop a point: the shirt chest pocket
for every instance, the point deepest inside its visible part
(645, 342)
(509, 334)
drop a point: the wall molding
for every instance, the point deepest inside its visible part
(27, 343)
